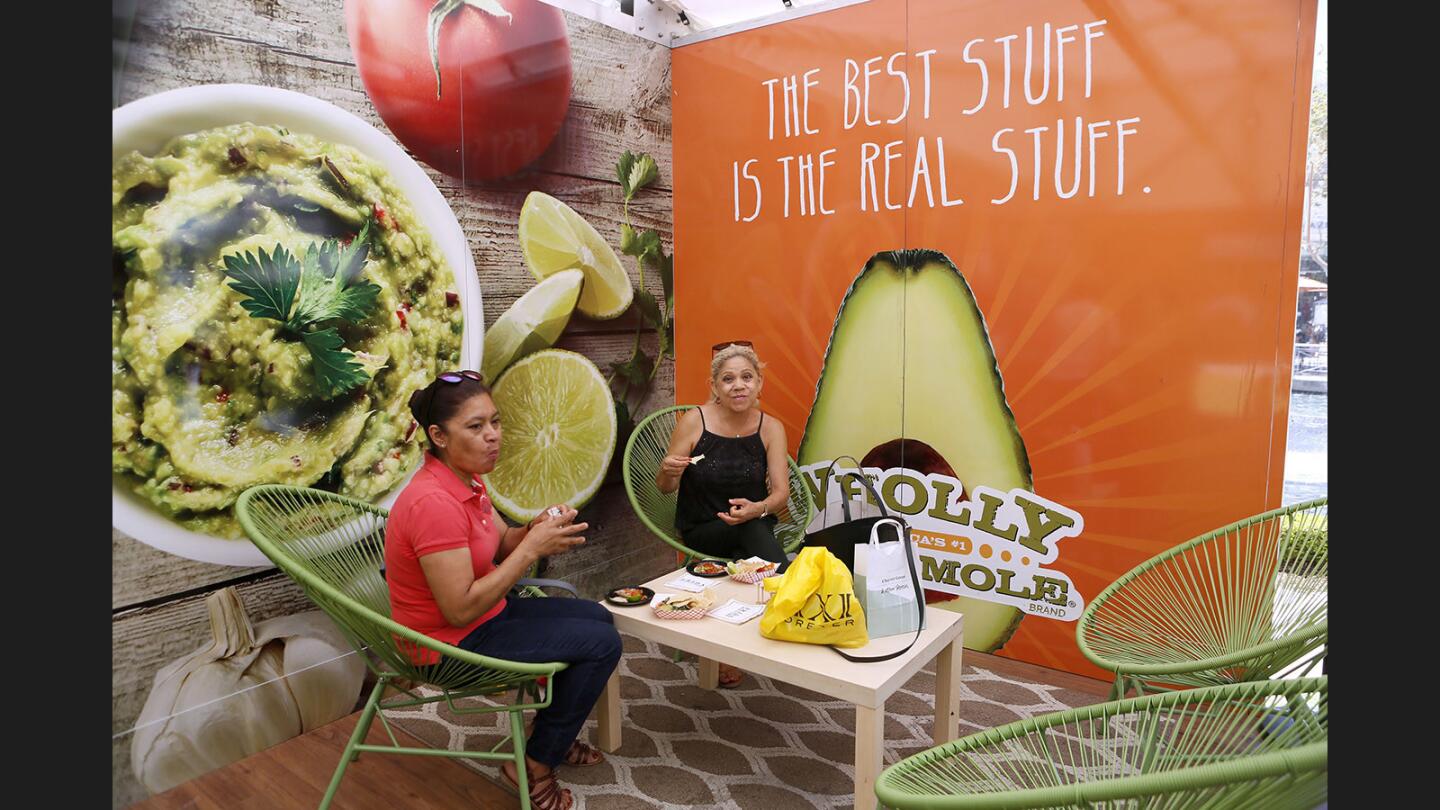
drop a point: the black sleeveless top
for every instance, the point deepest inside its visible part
(732, 468)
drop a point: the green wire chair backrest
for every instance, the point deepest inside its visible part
(334, 547)
(1249, 745)
(643, 453)
(1238, 603)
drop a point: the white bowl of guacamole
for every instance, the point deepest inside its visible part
(224, 377)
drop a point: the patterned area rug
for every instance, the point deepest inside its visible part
(765, 745)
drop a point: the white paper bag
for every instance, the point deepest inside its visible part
(883, 582)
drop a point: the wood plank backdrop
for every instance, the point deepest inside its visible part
(620, 101)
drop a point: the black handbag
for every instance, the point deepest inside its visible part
(902, 535)
(841, 538)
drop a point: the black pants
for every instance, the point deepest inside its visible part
(753, 538)
(577, 631)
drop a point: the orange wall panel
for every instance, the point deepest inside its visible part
(1144, 337)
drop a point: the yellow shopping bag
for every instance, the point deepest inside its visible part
(814, 602)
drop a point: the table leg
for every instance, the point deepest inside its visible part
(947, 693)
(607, 715)
(709, 673)
(869, 753)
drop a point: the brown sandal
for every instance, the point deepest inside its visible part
(730, 683)
(545, 792)
(583, 755)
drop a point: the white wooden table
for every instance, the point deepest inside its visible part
(814, 667)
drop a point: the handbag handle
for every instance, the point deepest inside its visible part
(864, 482)
(904, 532)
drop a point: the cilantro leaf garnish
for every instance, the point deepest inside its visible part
(350, 259)
(637, 243)
(667, 280)
(336, 370)
(327, 284)
(303, 294)
(270, 282)
(622, 172)
(635, 172)
(649, 310)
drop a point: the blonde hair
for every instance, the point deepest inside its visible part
(735, 350)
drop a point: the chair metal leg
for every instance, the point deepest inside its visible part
(517, 743)
(362, 727)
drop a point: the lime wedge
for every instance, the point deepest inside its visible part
(532, 323)
(553, 238)
(559, 434)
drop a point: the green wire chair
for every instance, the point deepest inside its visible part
(334, 547)
(643, 453)
(1248, 745)
(1245, 602)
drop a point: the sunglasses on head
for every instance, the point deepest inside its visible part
(457, 376)
(728, 343)
(451, 377)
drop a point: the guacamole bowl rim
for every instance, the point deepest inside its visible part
(148, 123)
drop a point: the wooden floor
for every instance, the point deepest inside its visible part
(1024, 671)
(294, 774)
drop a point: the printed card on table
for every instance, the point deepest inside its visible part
(688, 582)
(737, 612)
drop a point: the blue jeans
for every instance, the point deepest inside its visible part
(535, 630)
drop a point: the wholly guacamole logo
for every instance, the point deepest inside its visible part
(994, 546)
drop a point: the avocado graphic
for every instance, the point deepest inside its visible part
(910, 380)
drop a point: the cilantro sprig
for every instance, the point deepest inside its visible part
(636, 172)
(305, 293)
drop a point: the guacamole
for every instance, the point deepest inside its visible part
(208, 400)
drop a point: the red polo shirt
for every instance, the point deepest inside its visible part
(436, 512)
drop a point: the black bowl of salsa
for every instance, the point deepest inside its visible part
(630, 596)
(707, 568)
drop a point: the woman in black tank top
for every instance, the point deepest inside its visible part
(729, 463)
(732, 467)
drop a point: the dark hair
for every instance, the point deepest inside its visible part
(439, 401)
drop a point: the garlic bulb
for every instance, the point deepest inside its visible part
(233, 697)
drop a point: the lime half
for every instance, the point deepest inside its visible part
(532, 323)
(553, 238)
(559, 434)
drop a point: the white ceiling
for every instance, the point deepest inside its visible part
(677, 22)
(708, 14)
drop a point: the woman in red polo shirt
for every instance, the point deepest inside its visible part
(450, 560)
